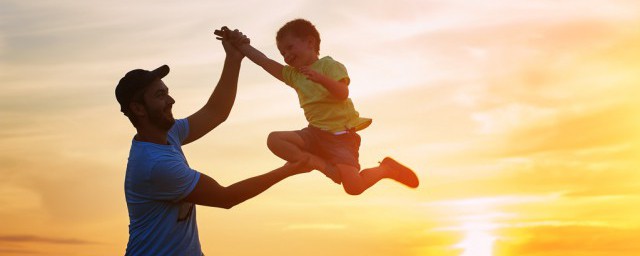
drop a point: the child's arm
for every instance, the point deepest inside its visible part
(271, 66)
(338, 89)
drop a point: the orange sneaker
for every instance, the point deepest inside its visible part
(400, 172)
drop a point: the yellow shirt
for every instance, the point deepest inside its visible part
(322, 109)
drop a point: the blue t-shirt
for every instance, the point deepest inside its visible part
(158, 178)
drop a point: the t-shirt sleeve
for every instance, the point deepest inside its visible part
(172, 180)
(288, 73)
(180, 129)
(336, 71)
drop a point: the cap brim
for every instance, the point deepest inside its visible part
(161, 72)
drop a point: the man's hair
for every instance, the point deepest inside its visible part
(138, 98)
(300, 28)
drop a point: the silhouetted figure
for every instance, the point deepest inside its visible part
(330, 140)
(161, 188)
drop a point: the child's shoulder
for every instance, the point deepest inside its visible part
(328, 61)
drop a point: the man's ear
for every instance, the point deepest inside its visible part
(137, 109)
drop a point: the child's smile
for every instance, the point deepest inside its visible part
(297, 52)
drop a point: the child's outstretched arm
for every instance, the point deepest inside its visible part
(271, 66)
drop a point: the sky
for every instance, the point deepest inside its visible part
(521, 119)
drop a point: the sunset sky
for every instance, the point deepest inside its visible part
(521, 118)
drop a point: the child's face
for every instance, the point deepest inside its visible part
(297, 52)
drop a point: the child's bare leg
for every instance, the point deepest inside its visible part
(355, 182)
(288, 146)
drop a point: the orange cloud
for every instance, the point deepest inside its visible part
(571, 241)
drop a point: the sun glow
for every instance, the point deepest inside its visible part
(478, 240)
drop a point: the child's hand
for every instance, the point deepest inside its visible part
(337, 88)
(311, 74)
(237, 38)
(231, 40)
(234, 37)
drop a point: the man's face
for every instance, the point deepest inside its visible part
(157, 104)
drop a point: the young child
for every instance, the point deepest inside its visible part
(330, 140)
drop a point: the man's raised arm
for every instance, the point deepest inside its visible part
(218, 107)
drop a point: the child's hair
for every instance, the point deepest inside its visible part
(300, 28)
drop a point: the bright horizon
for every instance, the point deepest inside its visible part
(521, 119)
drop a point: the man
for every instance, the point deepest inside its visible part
(160, 187)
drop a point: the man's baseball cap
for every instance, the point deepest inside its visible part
(134, 81)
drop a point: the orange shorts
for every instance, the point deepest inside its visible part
(335, 149)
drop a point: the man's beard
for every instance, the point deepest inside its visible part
(158, 119)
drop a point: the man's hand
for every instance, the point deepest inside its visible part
(298, 167)
(225, 32)
(209, 192)
(230, 40)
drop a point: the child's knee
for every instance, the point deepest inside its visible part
(351, 181)
(351, 187)
(273, 138)
(352, 190)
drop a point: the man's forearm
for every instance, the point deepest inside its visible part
(218, 107)
(210, 193)
(224, 95)
(249, 188)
